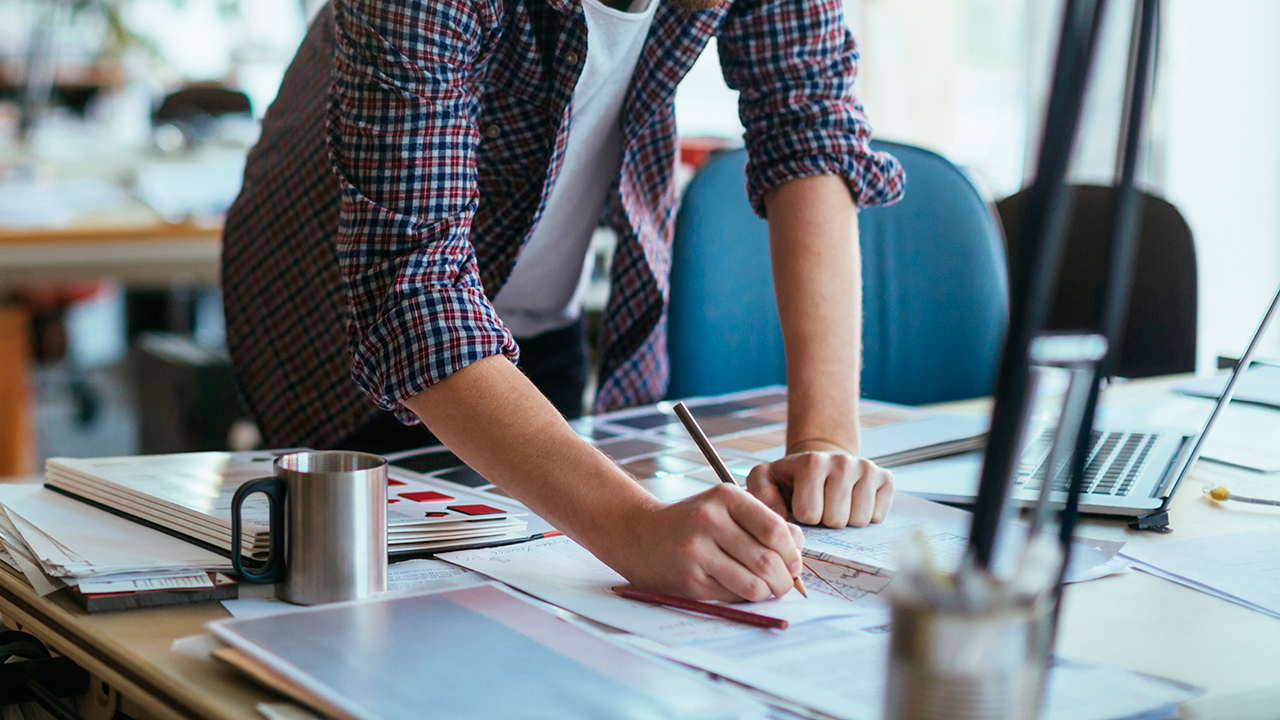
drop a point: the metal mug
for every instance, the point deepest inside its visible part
(328, 527)
(956, 664)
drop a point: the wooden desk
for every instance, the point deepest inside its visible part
(142, 252)
(132, 653)
(1134, 620)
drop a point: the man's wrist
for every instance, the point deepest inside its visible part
(818, 444)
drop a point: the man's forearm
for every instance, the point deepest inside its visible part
(492, 417)
(817, 274)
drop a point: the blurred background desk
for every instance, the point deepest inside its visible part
(77, 292)
(153, 254)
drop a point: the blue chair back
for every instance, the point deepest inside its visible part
(934, 298)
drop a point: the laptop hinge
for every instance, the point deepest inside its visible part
(1157, 521)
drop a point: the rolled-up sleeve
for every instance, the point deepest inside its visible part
(794, 62)
(402, 135)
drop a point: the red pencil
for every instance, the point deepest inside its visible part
(720, 611)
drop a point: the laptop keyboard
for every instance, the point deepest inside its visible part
(1116, 459)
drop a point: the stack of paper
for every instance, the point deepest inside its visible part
(1259, 384)
(56, 541)
(894, 435)
(1240, 567)
(191, 493)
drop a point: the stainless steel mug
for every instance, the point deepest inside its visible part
(328, 527)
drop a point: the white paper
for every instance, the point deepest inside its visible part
(1117, 565)
(192, 581)
(839, 668)
(875, 548)
(835, 670)
(1241, 567)
(1245, 434)
(1259, 384)
(565, 574)
(41, 583)
(424, 574)
(1207, 590)
(199, 646)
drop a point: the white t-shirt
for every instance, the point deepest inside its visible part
(547, 286)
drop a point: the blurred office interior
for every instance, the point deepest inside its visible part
(111, 197)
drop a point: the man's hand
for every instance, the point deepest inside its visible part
(824, 485)
(817, 273)
(721, 544)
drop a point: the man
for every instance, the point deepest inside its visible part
(417, 149)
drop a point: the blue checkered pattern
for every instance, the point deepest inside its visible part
(445, 123)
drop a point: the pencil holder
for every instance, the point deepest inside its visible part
(967, 647)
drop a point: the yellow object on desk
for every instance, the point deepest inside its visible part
(1222, 494)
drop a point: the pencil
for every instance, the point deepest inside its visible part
(704, 444)
(720, 611)
(709, 452)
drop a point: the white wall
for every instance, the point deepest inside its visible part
(968, 78)
(1221, 73)
(948, 75)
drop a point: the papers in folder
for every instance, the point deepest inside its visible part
(55, 541)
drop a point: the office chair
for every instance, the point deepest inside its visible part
(1160, 330)
(201, 100)
(935, 290)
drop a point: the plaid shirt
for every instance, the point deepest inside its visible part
(445, 123)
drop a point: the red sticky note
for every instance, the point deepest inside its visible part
(474, 509)
(395, 482)
(437, 514)
(426, 496)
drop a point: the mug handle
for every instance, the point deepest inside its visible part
(273, 570)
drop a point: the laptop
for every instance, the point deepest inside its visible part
(1130, 471)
